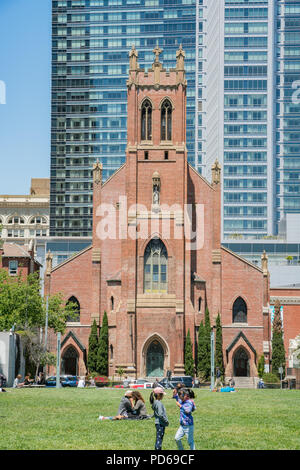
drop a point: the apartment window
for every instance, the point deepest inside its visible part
(13, 267)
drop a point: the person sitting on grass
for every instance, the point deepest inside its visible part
(125, 410)
(17, 382)
(2, 382)
(139, 405)
(228, 389)
(28, 380)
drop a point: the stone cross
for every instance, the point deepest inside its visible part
(157, 51)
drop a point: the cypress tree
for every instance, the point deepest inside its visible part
(189, 365)
(278, 351)
(201, 351)
(261, 366)
(93, 348)
(219, 345)
(102, 354)
(207, 328)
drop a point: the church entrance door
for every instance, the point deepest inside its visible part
(241, 363)
(155, 360)
(69, 362)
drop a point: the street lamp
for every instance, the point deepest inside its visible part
(58, 361)
(212, 359)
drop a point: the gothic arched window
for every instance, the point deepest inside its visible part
(146, 124)
(76, 310)
(166, 120)
(155, 267)
(239, 311)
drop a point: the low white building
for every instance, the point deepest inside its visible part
(23, 218)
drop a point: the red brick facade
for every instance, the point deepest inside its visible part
(151, 325)
(18, 260)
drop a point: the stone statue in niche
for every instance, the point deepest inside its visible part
(156, 194)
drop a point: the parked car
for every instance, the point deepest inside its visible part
(65, 381)
(187, 380)
(140, 383)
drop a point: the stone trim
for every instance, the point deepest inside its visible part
(74, 337)
(216, 256)
(158, 300)
(285, 300)
(96, 255)
(241, 258)
(233, 343)
(244, 326)
(71, 258)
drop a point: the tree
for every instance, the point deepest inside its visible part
(219, 345)
(261, 366)
(278, 351)
(201, 369)
(23, 308)
(102, 355)
(189, 365)
(120, 372)
(93, 348)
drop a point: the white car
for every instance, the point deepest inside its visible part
(140, 383)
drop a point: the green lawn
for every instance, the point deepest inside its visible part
(67, 419)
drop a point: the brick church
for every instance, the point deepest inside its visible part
(156, 261)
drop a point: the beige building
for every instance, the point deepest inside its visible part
(23, 218)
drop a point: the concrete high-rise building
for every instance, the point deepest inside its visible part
(242, 61)
(240, 111)
(288, 109)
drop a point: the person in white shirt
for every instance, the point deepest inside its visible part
(17, 383)
(81, 383)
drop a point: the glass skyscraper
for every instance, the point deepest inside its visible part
(91, 42)
(288, 108)
(242, 61)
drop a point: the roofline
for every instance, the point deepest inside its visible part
(114, 174)
(241, 258)
(72, 258)
(200, 176)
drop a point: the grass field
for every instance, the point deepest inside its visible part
(67, 419)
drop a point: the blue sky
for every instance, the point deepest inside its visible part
(25, 68)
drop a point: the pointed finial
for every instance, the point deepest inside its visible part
(133, 58)
(157, 51)
(49, 259)
(264, 263)
(97, 172)
(216, 172)
(180, 55)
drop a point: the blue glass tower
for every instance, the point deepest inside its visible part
(91, 41)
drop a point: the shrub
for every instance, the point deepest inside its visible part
(270, 378)
(261, 366)
(101, 381)
(189, 365)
